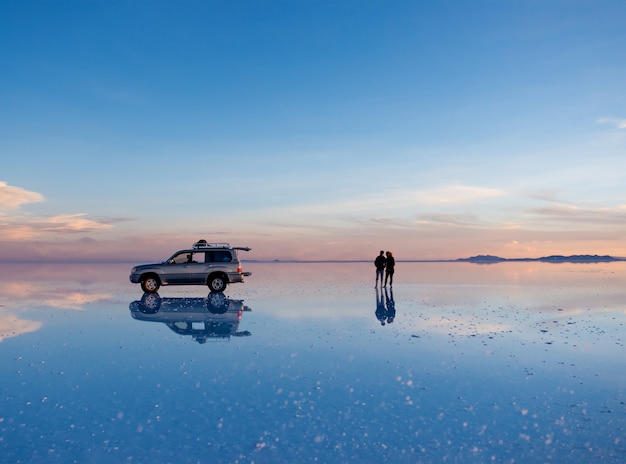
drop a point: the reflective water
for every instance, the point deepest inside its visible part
(513, 362)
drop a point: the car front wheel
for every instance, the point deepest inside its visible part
(217, 283)
(150, 285)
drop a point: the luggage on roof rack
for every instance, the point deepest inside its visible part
(205, 244)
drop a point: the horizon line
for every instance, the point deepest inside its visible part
(490, 259)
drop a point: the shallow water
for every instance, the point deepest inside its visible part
(511, 362)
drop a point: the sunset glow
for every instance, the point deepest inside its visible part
(313, 130)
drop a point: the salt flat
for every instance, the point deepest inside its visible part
(512, 362)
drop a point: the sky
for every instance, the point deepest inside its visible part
(312, 130)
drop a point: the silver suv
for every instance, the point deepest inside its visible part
(212, 264)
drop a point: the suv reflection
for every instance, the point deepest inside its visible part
(213, 317)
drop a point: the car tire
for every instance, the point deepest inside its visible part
(217, 283)
(217, 303)
(150, 284)
(150, 303)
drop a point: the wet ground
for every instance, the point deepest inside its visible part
(512, 362)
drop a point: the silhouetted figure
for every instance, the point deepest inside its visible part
(391, 306)
(381, 310)
(380, 262)
(391, 263)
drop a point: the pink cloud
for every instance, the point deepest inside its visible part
(13, 197)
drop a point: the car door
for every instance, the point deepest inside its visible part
(198, 269)
(194, 269)
(184, 268)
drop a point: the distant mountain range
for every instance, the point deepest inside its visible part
(490, 259)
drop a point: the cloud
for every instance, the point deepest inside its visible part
(394, 200)
(584, 216)
(618, 123)
(27, 228)
(462, 220)
(456, 194)
(13, 197)
(616, 135)
(17, 226)
(11, 229)
(550, 195)
(68, 223)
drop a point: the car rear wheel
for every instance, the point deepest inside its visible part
(150, 285)
(217, 283)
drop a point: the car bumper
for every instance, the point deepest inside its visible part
(234, 278)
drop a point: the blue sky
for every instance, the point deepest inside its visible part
(312, 129)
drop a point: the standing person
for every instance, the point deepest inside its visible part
(380, 262)
(391, 262)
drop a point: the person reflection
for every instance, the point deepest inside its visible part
(391, 306)
(381, 311)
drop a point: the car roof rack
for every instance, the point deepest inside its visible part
(205, 244)
(201, 244)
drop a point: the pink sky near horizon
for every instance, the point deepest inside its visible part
(331, 233)
(406, 245)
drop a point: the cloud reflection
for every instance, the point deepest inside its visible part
(12, 326)
(48, 287)
(22, 295)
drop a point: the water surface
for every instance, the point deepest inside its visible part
(512, 362)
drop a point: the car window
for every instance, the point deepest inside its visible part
(219, 256)
(187, 257)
